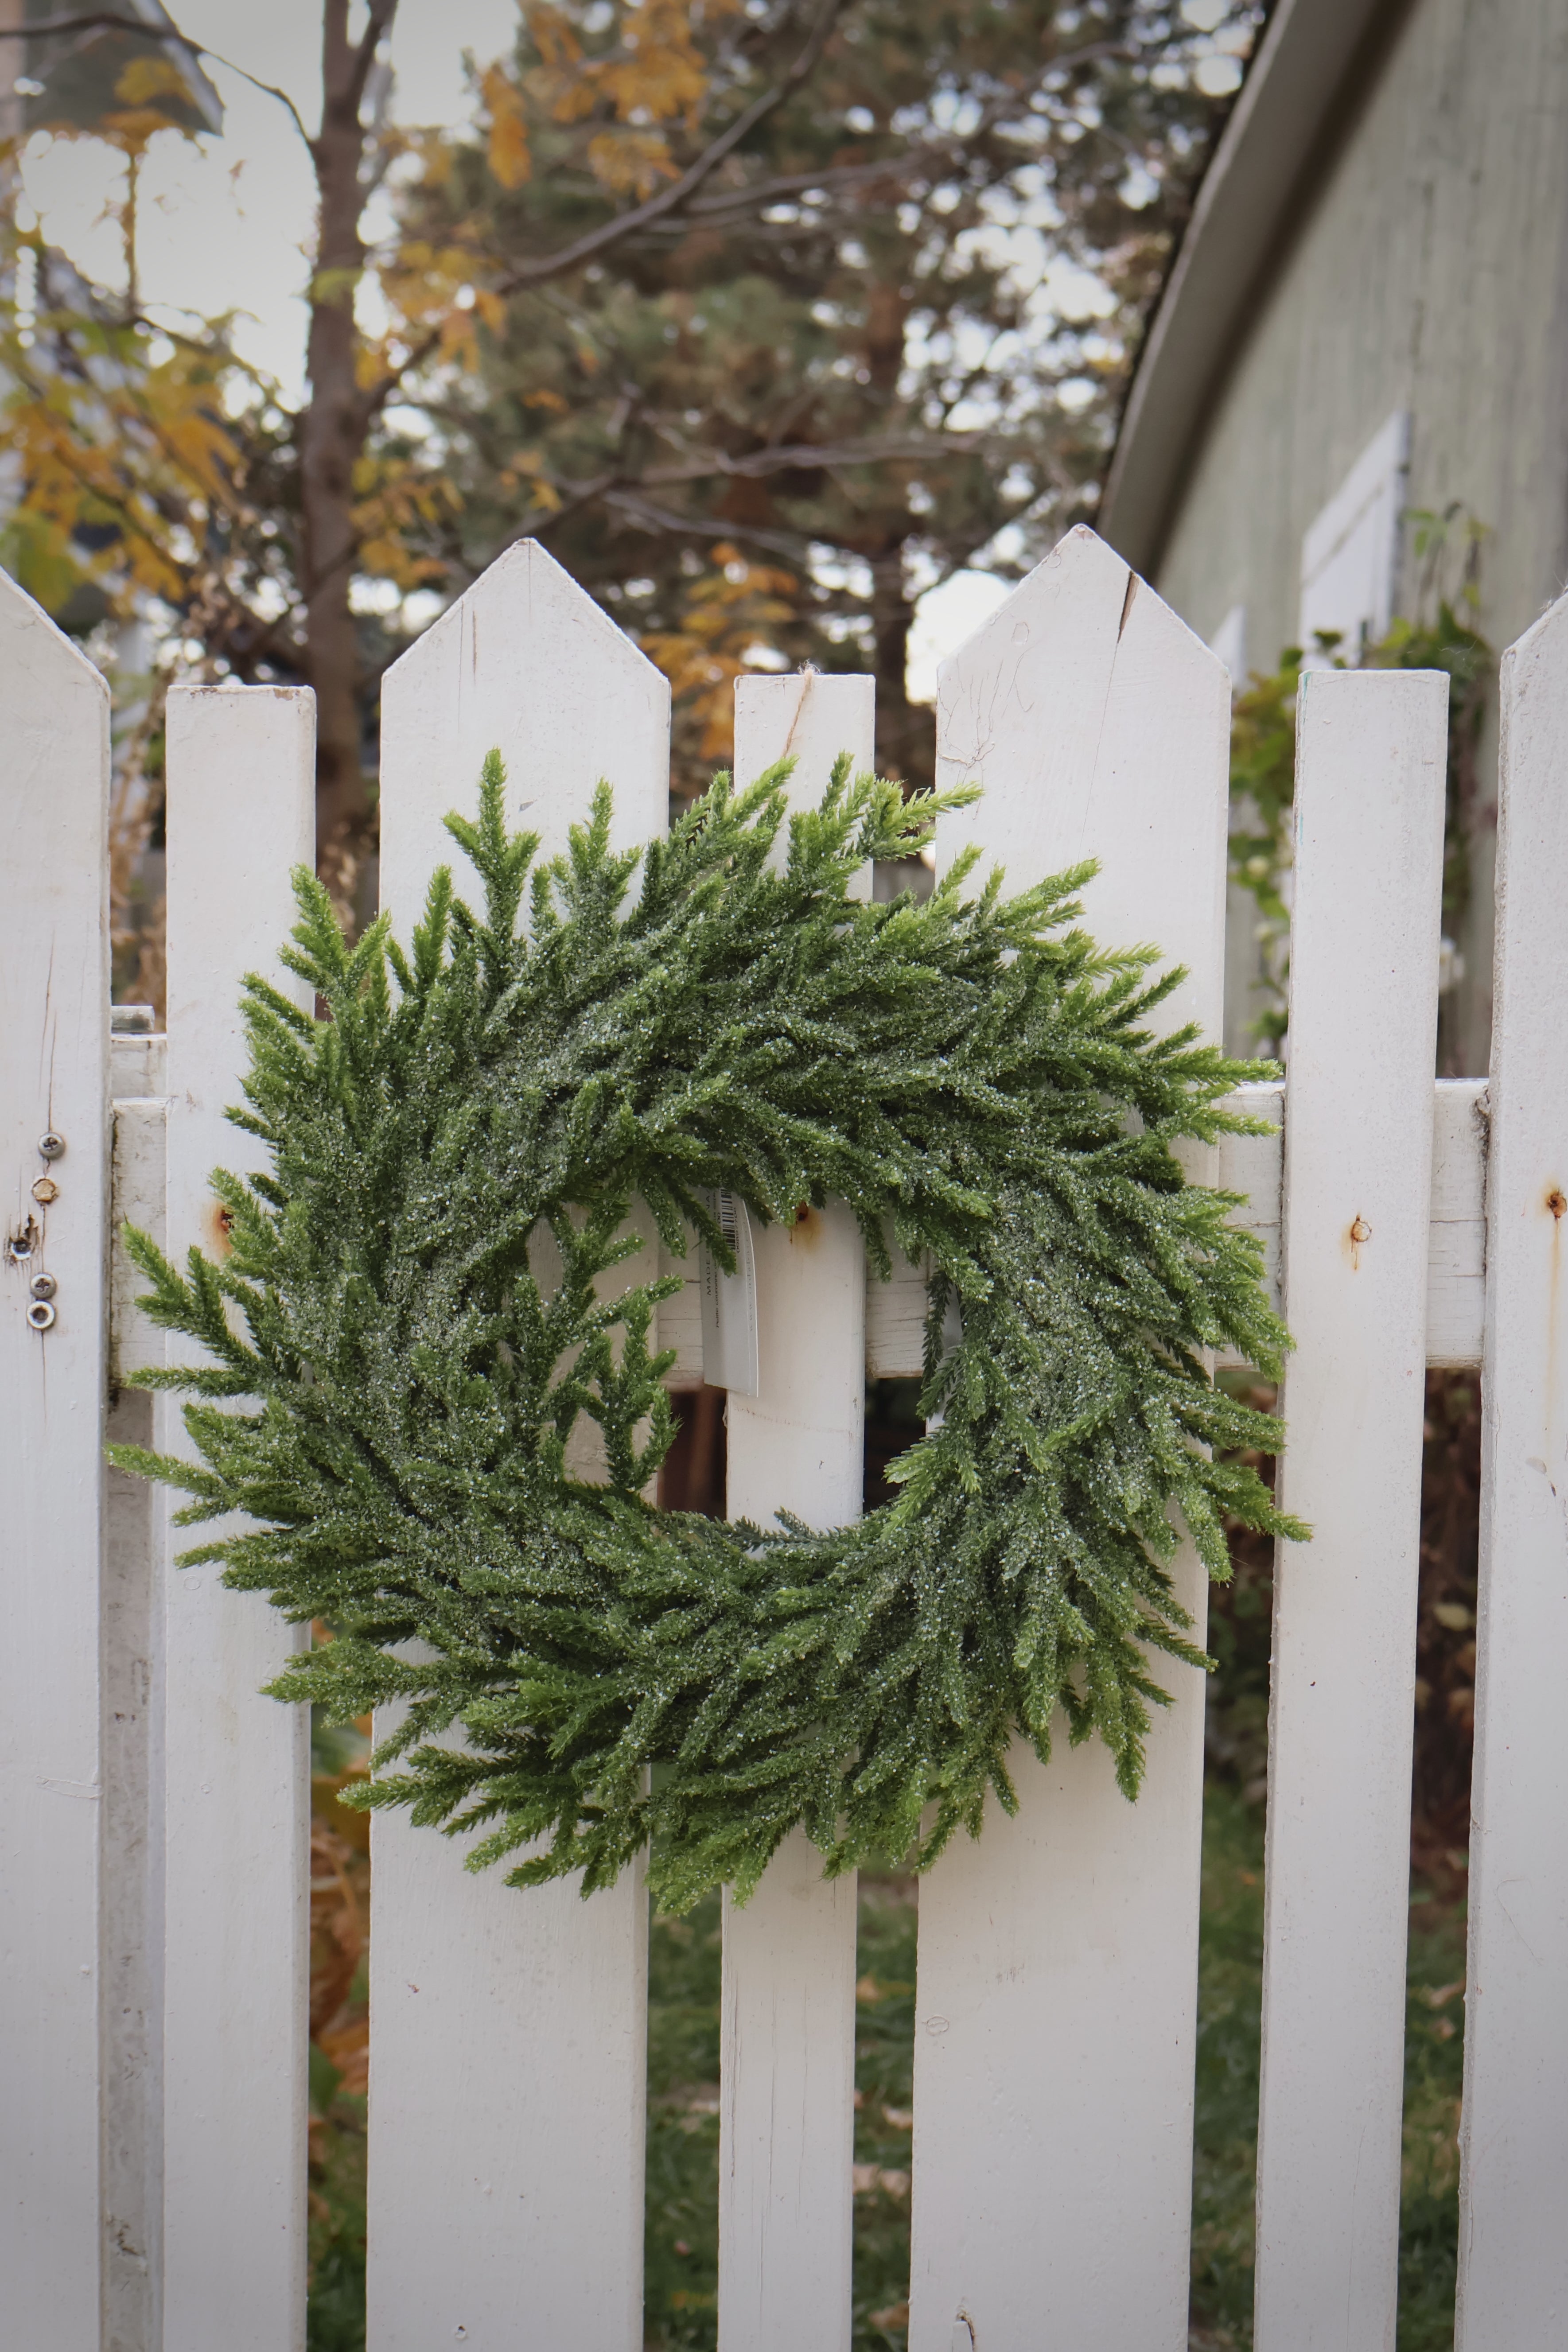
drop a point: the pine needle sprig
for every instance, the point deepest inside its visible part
(431, 1385)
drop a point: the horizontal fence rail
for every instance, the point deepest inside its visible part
(1252, 1166)
(152, 1827)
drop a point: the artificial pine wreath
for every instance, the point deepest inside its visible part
(970, 1075)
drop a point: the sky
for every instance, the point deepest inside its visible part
(224, 224)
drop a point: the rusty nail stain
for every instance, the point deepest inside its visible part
(802, 1211)
(44, 1191)
(1360, 1232)
(20, 1244)
(1555, 1202)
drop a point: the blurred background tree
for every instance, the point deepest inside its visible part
(765, 315)
(883, 342)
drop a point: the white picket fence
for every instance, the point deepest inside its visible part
(153, 1807)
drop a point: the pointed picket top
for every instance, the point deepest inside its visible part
(1058, 1956)
(28, 636)
(488, 2006)
(1068, 706)
(528, 664)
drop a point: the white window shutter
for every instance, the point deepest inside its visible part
(1350, 553)
(1228, 643)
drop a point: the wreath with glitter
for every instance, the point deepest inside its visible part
(391, 1377)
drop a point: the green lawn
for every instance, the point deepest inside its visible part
(1229, 1997)
(683, 2120)
(681, 2252)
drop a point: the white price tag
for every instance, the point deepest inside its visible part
(730, 1302)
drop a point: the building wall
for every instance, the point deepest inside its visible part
(1429, 273)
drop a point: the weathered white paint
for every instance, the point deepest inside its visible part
(680, 1317)
(528, 664)
(787, 2070)
(896, 1318)
(131, 1654)
(1371, 751)
(1514, 2246)
(787, 2116)
(140, 1125)
(54, 1069)
(1456, 1233)
(1058, 1957)
(508, 2030)
(241, 813)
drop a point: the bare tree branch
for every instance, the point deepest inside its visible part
(669, 200)
(656, 207)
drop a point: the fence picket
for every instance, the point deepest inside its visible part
(1513, 2251)
(54, 1073)
(1055, 2004)
(509, 2031)
(131, 1651)
(241, 813)
(787, 2073)
(1371, 751)
(1055, 2009)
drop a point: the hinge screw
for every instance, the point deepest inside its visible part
(43, 1285)
(40, 1315)
(51, 1145)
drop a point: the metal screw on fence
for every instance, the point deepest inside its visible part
(40, 1315)
(43, 1285)
(51, 1145)
(44, 1190)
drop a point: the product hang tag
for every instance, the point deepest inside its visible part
(729, 1301)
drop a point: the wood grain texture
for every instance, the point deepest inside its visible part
(526, 663)
(241, 814)
(1056, 1992)
(54, 1071)
(131, 1663)
(1513, 2247)
(787, 2069)
(509, 2031)
(1371, 754)
(141, 1144)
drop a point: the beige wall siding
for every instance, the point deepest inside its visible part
(1430, 272)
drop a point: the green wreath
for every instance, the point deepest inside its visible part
(586, 1676)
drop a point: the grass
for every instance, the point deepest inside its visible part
(683, 2119)
(1230, 1984)
(681, 2252)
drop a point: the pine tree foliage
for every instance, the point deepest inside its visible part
(392, 1360)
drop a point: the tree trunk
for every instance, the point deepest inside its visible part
(906, 734)
(906, 730)
(332, 432)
